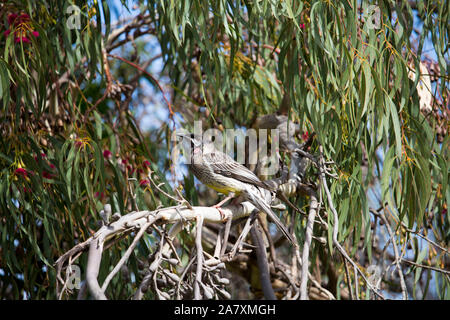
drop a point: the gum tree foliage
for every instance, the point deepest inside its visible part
(71, 140)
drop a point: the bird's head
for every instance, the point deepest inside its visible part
(197, 142)
(191, 138)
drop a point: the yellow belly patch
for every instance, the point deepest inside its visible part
(224, 190)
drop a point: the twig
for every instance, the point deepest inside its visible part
(151, 270)
(397, 257)
(269, 239)
(198, 245)
(218, 247)
(349, 283)
(446, 251)
(109, 82)
(225, 236)
(261, 260)
(171, 113)
(418, 265)
(191, 261)
(245, 231)
(164, 246)
(136, 23)
(356, 283)
(125, 256)
(313, 206)
(162, 191)
(335, 230)
(133, 195)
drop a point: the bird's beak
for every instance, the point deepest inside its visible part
(183, 134)
(189, 136)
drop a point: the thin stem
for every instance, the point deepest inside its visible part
(198, 244)
(313, 207)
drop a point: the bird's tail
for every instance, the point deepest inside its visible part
(262, 205)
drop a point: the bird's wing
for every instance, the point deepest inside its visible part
(261, 204)
(224, 165)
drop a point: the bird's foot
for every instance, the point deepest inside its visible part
(222, 214)
(219, 205)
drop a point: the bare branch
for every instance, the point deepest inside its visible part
(397, 256)
(263, 267)
(313, 207)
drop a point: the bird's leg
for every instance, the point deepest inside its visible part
(225, 237)
(219, 205)
(228, 197)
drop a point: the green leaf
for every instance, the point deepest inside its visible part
(386, 176)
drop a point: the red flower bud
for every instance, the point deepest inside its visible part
(143, 183)
(11, 18)
(146, 163)
(21, 172)
(26, 190)
(21, 39)
(24, 17)
(43, 156)
(78, 144)
(107, 154)
(305, 135)
(47, 175)
(100, 195)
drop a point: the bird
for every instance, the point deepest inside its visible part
(222, 173)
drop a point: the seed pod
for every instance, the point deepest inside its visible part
(216, 277)
(224, 293)
(162, 282)
(172, 276)
(173, 262)
(212, 262)
(209, 292)
(216, 268)
(221, 265)
(163, 295)
(125, 272)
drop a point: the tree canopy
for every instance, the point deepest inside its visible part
(93, 91)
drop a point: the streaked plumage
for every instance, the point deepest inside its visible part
(222, 173)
